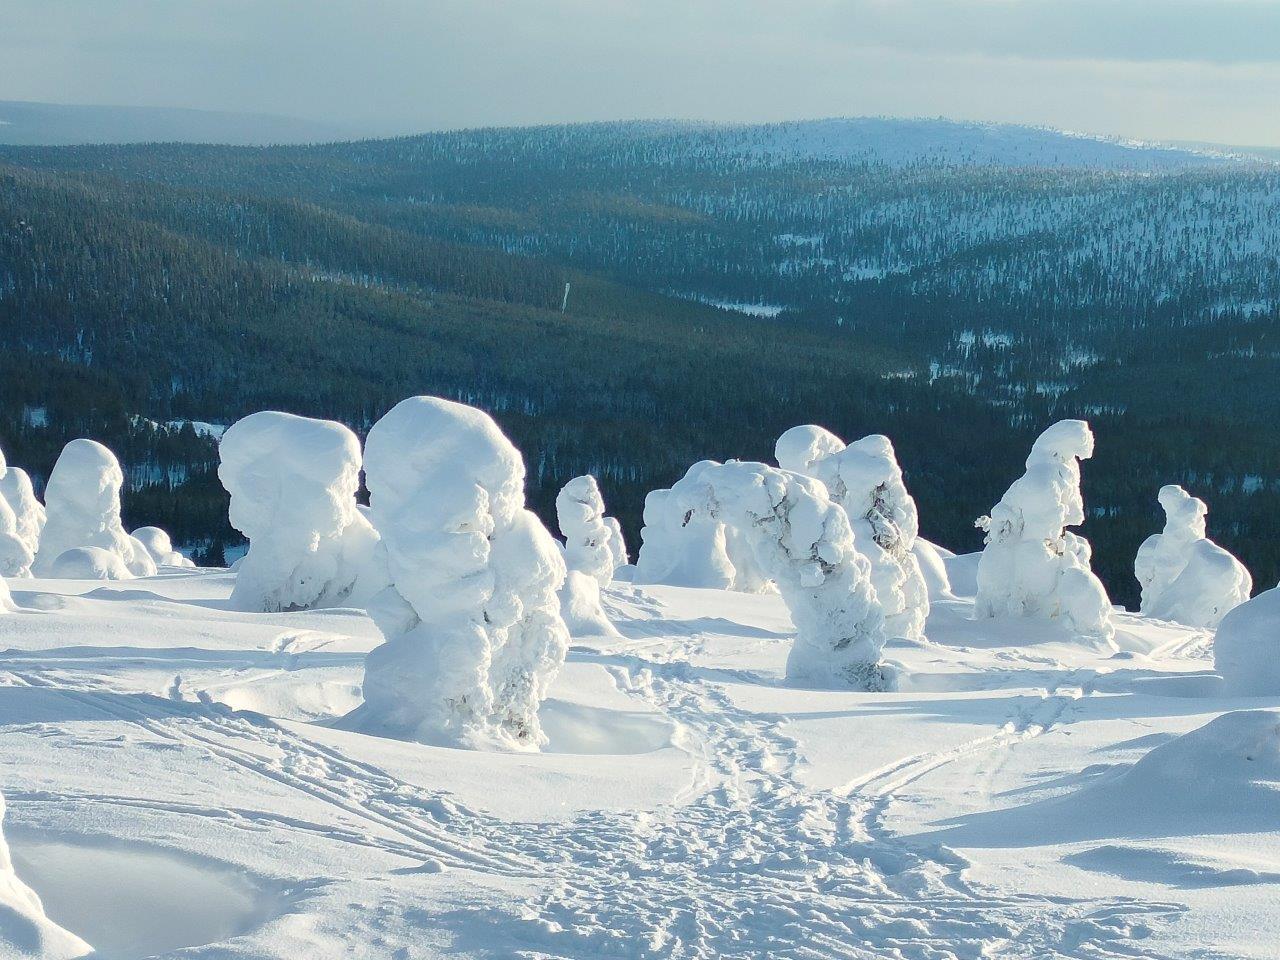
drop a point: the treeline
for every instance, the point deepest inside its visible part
(958, 310)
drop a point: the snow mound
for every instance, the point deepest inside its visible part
(471, 619)
(803, 542)
(1246, 648)
(581, 609)
(160, 547)
(1032, 565)
(25, 931)
(1186, 577)
(293, 483)
(83, 503)
(932, 561)
(88, 563)
(800, 448)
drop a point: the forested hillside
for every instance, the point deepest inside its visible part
(955, 293)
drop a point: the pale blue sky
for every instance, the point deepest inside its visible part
(1172, 69)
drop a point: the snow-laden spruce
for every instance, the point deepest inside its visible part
(680, 548)
(803, 542)
(865, 479)
(17, 490)
(1186, 577)
(473, 630)
(1032, 565)
(1246, 647)
(617, 543)
(160, 547)
(82, 499)
(20, 519)
(589, 557)
(25, 929)
(293, 483)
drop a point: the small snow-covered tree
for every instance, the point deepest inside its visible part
(803, 542)
(17, 543)
(617, 543)
(580, 512)
(471, 619)
(160, 547)
(865, 479)
(293, 483)
(1186, 577)
(25, 930)
(588, 555)
(29, 513)
(1246, 647)
(83, 503)
(1032, 565)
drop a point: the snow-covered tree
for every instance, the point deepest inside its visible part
(580, 512)
(588, 555)
(293, 483)
(471, 619)
(29, 513)
(617, 543)
(682, 548)
(19, 530)
(1186, 577)
(865, 479)
(160, 547)
(1246, 647)
(804, 543)
(83, 503)
(1032, 565)
(25, 930)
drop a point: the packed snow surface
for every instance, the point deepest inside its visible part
(174, 779)
(1247, 646)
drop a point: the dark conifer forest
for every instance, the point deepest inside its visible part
(723, 285)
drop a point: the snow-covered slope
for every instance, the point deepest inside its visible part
(1021, 795)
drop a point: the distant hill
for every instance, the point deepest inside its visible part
(54, 124)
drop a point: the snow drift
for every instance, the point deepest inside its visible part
(1032, 566)
(803, 542)
(1186, 577)
(293, 483)
(865, 479)
(160, 547)
(83, 503)
(1246, 647)
(471, 619)
(25, 931)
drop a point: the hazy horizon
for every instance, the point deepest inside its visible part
(1189, 70)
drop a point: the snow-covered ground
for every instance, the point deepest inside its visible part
(173, 781)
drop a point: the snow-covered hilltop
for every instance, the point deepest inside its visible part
(845, 742)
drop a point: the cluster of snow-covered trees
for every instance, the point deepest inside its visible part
(477, 601)
(77, 533)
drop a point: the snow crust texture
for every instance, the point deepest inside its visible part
(472, 617)
(803, 542)
(83, 505)
(1246, 648)
(293, 483)
(1186, 577)
(25, 931)
(1032, 565)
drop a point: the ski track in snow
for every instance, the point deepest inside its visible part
(748, 863)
